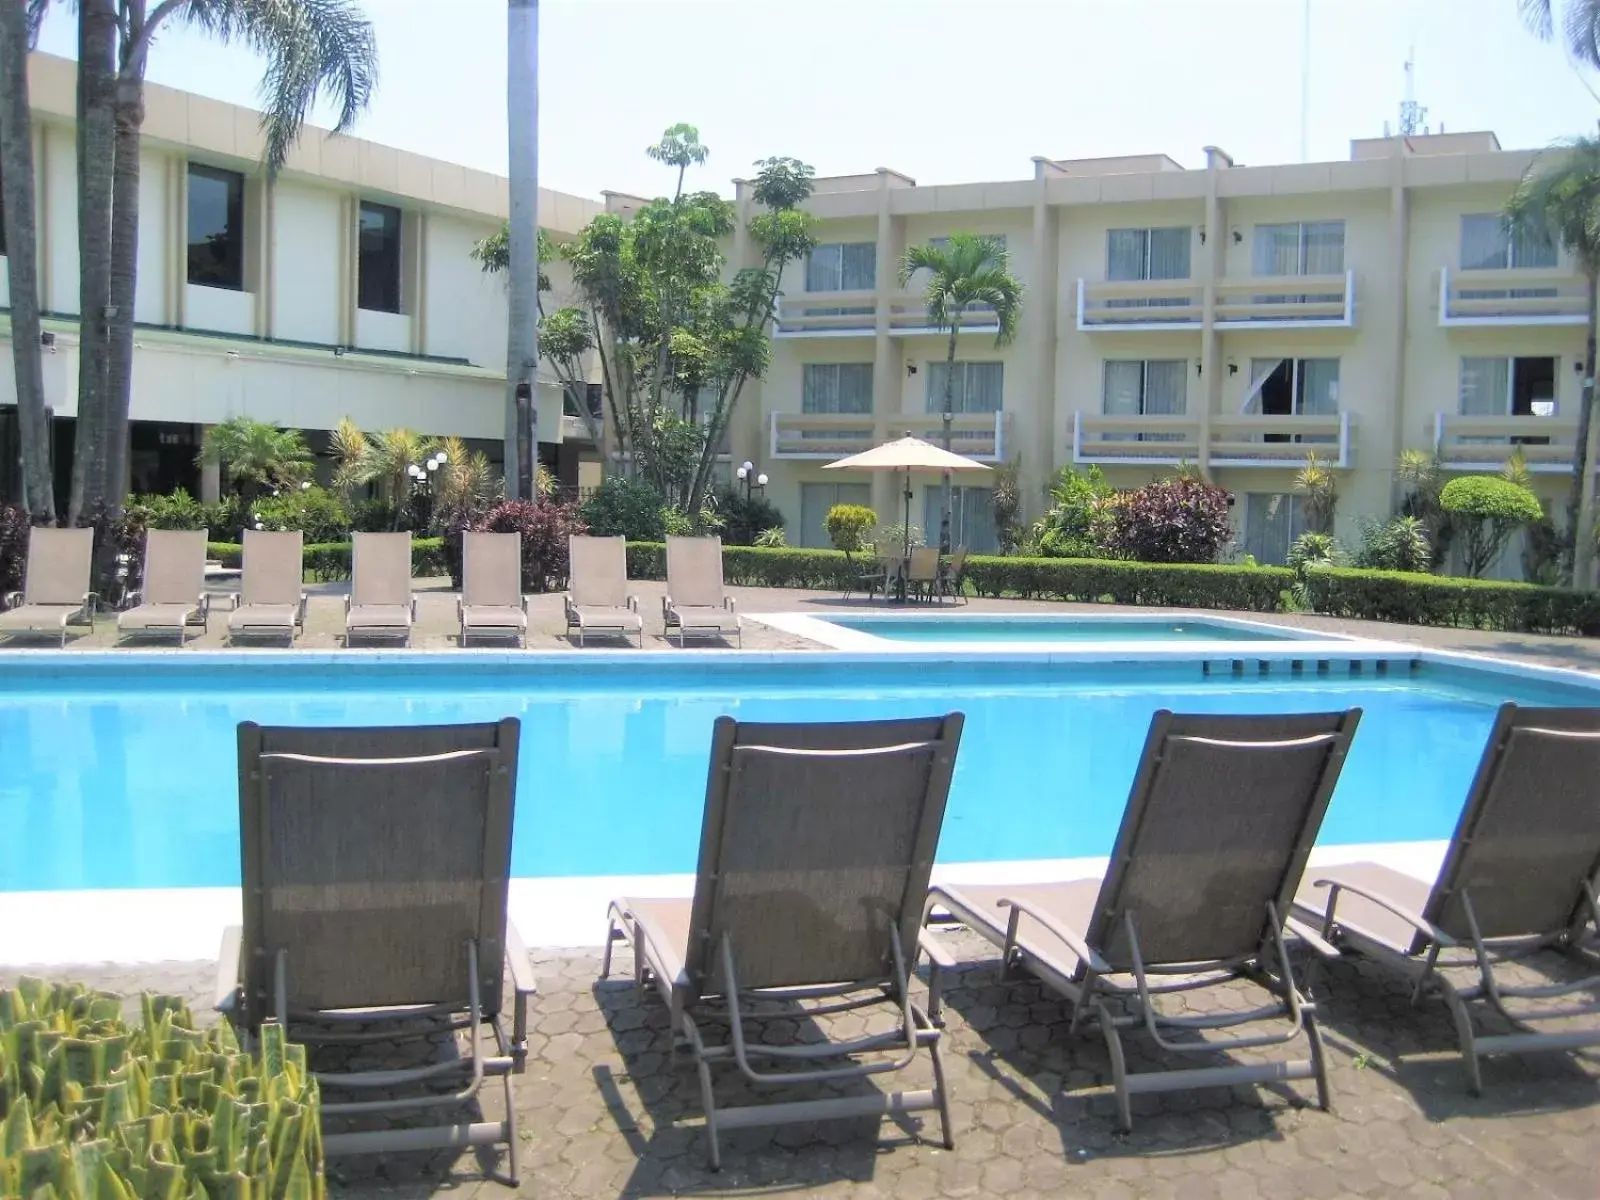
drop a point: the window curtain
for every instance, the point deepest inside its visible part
(1484, 240)
(1532, 245)
(1319, 387)
(823, 268)
(1125, 254)
(1122, 389)
(858, 268)
(1169, 253)
(1276, 250)
(979, 388)
(819, 389)
(1485, 387)
(1272, 522)
(1324, 248)
(1261, 370)
(815, 501)
(971, 517)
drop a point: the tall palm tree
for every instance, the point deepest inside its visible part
(967, 270)
(21, 242)
(255, 454)
(1579, 21)
(1561, 191)
(522, 259)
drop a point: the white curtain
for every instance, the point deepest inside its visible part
(815, 501)
(1272, 521)
(836, 388)
(1169, 253)
(979, 387)
(1276, 250)
(1261, 370)
(1122, 389)
(971, 517)
(1324, 248)
(1318, 393)
(1532, 245)
(823, 268)
(1125, 254)
(858, 269)
(1484, 242)
(1485, 387)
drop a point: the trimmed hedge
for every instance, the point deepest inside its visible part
(1416, 599)
(229, 554)
(331, 560)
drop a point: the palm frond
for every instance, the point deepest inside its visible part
(1561, 190)
(1537, 16)
(1581, 31)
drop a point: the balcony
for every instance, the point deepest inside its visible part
(827, 436)
(1127, 306)
(1287, 302)
(1484, 443)
(1522, 296)
(908, 316)
(826, 314)
(1245, 440)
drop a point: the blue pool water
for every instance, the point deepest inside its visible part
(1001, 630)
(124, 775)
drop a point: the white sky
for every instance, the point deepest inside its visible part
(944, 90)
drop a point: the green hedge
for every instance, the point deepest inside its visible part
(229, 554)
(1417, 599)
(331, 560)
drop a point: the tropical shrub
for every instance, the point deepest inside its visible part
(1422, 476)
(1485, 510)
(1077, 520)
(627, 508)
(1398, 544)
(1418, 599)
(1312, 550)
(744, 517)
(545, 526)
(13, 547)
(1318, 489)
(772, 539)
(317, 513)
(94, 1106)
(1005, 499)
(255, 455)
(848, 526)
(1180, 520)
(893, 539)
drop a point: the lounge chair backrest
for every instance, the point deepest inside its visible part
(817, 840)
(59, 563)
(1529, 834)
(274, 567)
(380, 568)
(694, 571)
(958, 561)
(174, 566)
(1221, 817)
(924, 563)
(372, 856)
(491, 570)
(598, 576)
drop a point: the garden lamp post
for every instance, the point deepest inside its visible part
(752, 481)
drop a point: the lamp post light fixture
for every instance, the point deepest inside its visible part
(752, 481)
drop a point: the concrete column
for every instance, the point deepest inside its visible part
(41, 210)
(349, 264)
(210, 476)
(177, 218)
(1213, 265)
(418, 283)
(1395, 317)
(1036, 441)
(886, 368)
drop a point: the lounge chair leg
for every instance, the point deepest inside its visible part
(1119, 1068)
(1465, 1035)
(513, 1174)
(611, 940)
(935, 994)
(707, 1099)
(939, 1095)
(1319, 1061)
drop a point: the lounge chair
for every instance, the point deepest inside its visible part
(1220, 820)
(380, 604)
(172, 597)
(1519, 876)
(922, 571)
(695, 603)
(55, 584)
(491, 604)
(597, 599)
(953, 573)
(271, 601)
(814, 860)
(374, 867)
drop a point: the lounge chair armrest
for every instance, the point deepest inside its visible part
(1414, 919)
(461, 606)
(729, 603)
(413, 608)
(132, 597)
(91, 602)
(633, 604)
(238, 599)
(525, 602)
(305, 599)
(1073, 939)
(523, 986)
(666, 605)
(1311, 937)
(225, 996)
(204, 604)
(931, 944)
(10, 600)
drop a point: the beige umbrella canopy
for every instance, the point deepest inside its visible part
(907, 454)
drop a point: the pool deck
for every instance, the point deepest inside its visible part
(606, 1110)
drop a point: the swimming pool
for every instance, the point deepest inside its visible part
(1070, 630)
(120, 772)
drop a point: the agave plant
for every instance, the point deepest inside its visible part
(1319, 493)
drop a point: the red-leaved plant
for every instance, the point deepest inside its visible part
(545, 527)
(1182, 520)
(13, 547)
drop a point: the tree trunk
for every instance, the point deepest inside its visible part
(522, 341)
(1580, 502)
(97, 48)
(124, 268)
(22, 254)
(949, 415)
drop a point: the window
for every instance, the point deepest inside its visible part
(1303, 248)
(378, 286)
(842, 267)
(1145, 388)
(1294, 387)
(971, 518)
(1272, 522)
(1147, 253)
(836, 388)
(815, 501)
(1489, 242)
(1508, 387)
(979, 387)
(216, 228)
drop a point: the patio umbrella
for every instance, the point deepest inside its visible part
(908, 454)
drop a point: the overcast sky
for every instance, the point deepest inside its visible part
(944, 90)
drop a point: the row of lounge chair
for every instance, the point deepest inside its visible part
(812, 897)
(271, 602)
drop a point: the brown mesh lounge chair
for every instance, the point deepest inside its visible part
(922, 571)
(380, 604)
(55, 585)
(492, 604)
(173, 596)
(814, 861)
(271, 601)
(374, 867)
(1519, 877)
(597, 599)
(695, 603)
(1220, 820)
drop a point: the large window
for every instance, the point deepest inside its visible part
(842, 267)
(1489, 242)
(971, 518)
(1133, 254)
(1299, 248)
(1508, 387)
(1294, 387)
(1272, 521)
(378, 289)
(216, 227)
(1145, 388)
(815, 501)
(836, 388)
(979, 387)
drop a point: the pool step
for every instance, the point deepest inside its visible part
(1320, 668)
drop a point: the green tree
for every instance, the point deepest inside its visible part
(382, 461)
(1486, 510)
(1318, 489)
(967, 271)
(1561, 191)
(1579, 31)
(254, 455)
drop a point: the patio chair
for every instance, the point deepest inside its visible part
(814, 858)
(1519, 877)
(695, 603)
(271, 601)
(172, 597)
(491, 604)
(380, 604)
(55, 584)
(1221, 817)
(597, 599)
(952, 573)
(870, 576)
(922, 571)
(374, 864)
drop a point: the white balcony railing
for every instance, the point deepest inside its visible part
(1131, 305)
(1514, 297)
(828, 436)
(826, 314)
(1484, 443)
(1287, 302)
(1246, 440)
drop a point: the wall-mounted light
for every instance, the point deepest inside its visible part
(1202, 235)
(911, 368)
(1577, 367)
(1237, 237)
(47, 339)
(1233, 367)
(1199, 368)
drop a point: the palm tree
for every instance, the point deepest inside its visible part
(312, 47)
(21, 242)
(382, 460)
(1561, 191)
(967, 270)
(255, 454)
(522, 257)
(1580, 26)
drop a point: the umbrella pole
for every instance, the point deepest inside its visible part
(908, 514)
